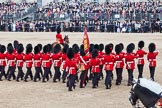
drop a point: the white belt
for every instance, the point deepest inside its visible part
(56, 60)
(130, 62)
(19, 60)
(29, 61)
(95, 66)
(2, 60)
(10, 60)
(140, 58)
(71, 69)
(119, 61)
(109, 63)
(45, 61)
(152, 60)
(36, 60)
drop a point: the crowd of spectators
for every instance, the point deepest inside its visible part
(72, 16)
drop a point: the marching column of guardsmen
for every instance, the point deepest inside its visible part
(72, 62)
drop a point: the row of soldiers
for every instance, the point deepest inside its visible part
(71, 60)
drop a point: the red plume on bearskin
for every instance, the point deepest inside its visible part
(152, 47)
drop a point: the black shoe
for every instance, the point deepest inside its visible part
(70, 90)
(17, 80)
(94, 87)
(128, 84)
(63, 81)
(22, 78)
(35, 80)
(54, 81)
(25, 80)
(1, 80)
(81, 87)
(43, 81)
(74, 86)
(9, 80)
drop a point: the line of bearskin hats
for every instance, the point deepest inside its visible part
(70, 53)
(29, 48)
(152, 47)
(108, 48)
(118, 48)
(20, 48)
(57, 48)
(2, 48)
(130, 48)
(58, 30)
(141, 44)
(94, 53)
(75, 48)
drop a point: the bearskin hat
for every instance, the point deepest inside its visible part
(36, 49)
(82, 52)
(70, 53)
(65, 48)
(49, 47)
(82, 46)
(141, 44)
(29, 48)
(91, 48)
(10, 49)
(2, 48)
(57, 48)
(101, 47)
(75, 48)
(152, 47)
(130, 48)
(10, 44)
(122, 46)
(111, 45)
(20, 48)
(96, 46)
(108, 49)
(118, 48)
(40, 47)
(94, 53)
(15, 43)
(45, 49)
(58, 30)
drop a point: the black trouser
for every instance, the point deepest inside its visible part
(57, 73)
(101, 73)
(130, 76)
(29, 72)
(90, 73)
(41, 72)
(140, 70)
(2, 70)
(14, 76)
(71, 81)
(119, 75)
(95, 79)
(83, 77)
(152, 72)
(46, 72)
(20, 73)
(108, 78)
(37, 73)
(64, 75)
(10, 72)
(50, 72)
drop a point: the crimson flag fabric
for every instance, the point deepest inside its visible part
(86, 42)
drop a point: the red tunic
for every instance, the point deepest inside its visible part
(28, 59)
(45, 60)
(64, 57)
(11, 59)
(71, 66)
(140, 54)
(59, 38)
(101, 57)
(109, 62)
(2, 59)
(95, 64)
(37, 60)
(84, 60)
(119, 60)
(129, 59)
(76, 57)
(57, 59)
(151, 57)
(20, 59)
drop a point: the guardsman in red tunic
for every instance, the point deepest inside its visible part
(84, 65)
(151, 57)
(59, 38)
(130, 63)
(11, 62)
(140, 56)
(95, 64)
(20, 62)
(108, 65)
(49, 52)
(40, 51)
(119, 63)
(46, 63)
(56, 57)
(2, 62)
(37, 63)
(64, 57)
(15, 44)
(71, 66)
(100, 56)
(28, 59)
